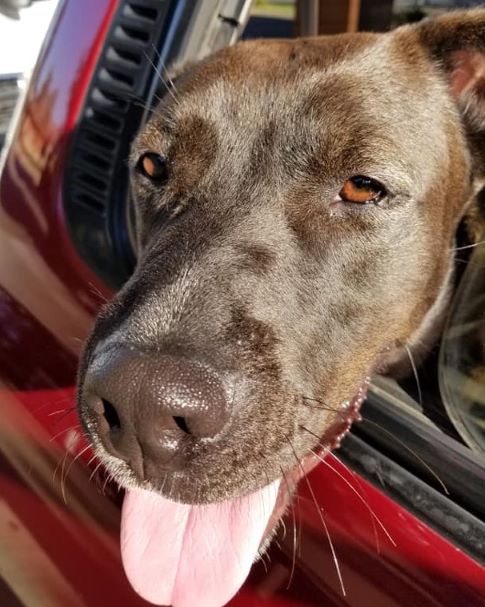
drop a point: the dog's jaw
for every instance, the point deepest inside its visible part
(205, 552)
(332, 438)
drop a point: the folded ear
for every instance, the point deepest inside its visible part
(457, 41)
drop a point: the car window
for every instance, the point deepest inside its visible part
(462, 360)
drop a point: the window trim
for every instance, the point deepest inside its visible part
(393, 447)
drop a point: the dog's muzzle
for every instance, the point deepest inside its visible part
(151, 410)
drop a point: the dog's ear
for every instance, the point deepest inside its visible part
(457, 41)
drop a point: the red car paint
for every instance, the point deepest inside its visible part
(58, 526)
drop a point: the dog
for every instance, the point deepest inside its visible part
(296, 209)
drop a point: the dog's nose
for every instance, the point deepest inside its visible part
(150, 410)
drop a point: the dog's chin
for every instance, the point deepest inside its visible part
(184, 554)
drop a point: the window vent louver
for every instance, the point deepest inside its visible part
(112, 112)
(9, 95)
(124, 84)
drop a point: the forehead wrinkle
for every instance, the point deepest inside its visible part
(407, 123)
(242, 113)
(242, 107)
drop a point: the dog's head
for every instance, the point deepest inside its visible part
(296, 206)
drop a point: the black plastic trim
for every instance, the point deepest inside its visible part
(430, 505)
(144, 36)
(410, 439)
(96, 181)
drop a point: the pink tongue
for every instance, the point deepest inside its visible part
(181, 555)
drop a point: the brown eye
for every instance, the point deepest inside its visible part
(153, 166)
(361, 190)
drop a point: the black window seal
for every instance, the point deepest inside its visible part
(431, 506)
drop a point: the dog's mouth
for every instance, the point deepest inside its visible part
(184, 555)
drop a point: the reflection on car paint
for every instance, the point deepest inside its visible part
(59, 513)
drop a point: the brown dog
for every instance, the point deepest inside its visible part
(297, 202)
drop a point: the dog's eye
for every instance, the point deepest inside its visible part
(362, 190)
(153, 166)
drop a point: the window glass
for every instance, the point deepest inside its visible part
(462, 360)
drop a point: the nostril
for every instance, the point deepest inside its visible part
(182, 424)
(111, 416)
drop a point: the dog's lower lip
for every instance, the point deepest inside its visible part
(332, 438)
(347, 415)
